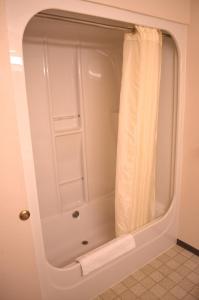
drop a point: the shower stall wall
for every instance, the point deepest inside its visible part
(73, 82)
(73, 75)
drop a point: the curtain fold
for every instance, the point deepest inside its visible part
(137, 132)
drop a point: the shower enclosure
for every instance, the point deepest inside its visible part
(66, 85)
(73, 75)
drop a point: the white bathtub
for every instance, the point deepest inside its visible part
(68, 281)
(66, 237)
(64, 234)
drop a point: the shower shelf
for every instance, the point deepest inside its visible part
(71, 180)
(58, 118)
(66, 123)
(68, 132)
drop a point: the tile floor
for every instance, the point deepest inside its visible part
(173, 275)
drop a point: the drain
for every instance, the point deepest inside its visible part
(84, 242)
(75, 214)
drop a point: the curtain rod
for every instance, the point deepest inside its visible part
(86, 22)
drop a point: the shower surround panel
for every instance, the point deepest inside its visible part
(73, 91)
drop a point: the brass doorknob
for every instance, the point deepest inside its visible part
(24, 215)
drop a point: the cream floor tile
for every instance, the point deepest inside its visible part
(195, 292)
(119, 288)
(180, 258)
(147, 282)
(164, 258)
(165, 270)
(129, 281)
(173, 264)
(156, 263)
(139, 275)
(156, 276)
(193, 277)
(138, 289)
(148, 269)
(195, 258)
(108, 295)
(189, 297)
(192, 265)
(178, 249)
(176, 277)
(197, 270)
(148, 295)
(186, 253)
(128, 295)
(158, 290)
(167, 283)
(171, 252)
(169, 296)
(178, 292)
(186, 284)
(183, 270)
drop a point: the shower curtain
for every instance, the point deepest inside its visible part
(137, 132)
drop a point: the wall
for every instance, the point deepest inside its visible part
(175, 10)
(18, 278)
(189, 220)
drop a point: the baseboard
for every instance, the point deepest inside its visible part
(187, 247)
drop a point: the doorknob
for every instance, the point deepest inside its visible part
(24, 215)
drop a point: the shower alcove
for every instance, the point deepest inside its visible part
(66, 82)
(73, 75)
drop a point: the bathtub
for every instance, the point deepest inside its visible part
(93, 227)
(67, 280)
(61, 277)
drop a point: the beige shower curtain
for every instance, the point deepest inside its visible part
(137, 132)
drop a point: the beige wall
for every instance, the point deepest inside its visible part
(176, 10)
(18, 275)
(189, 212)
